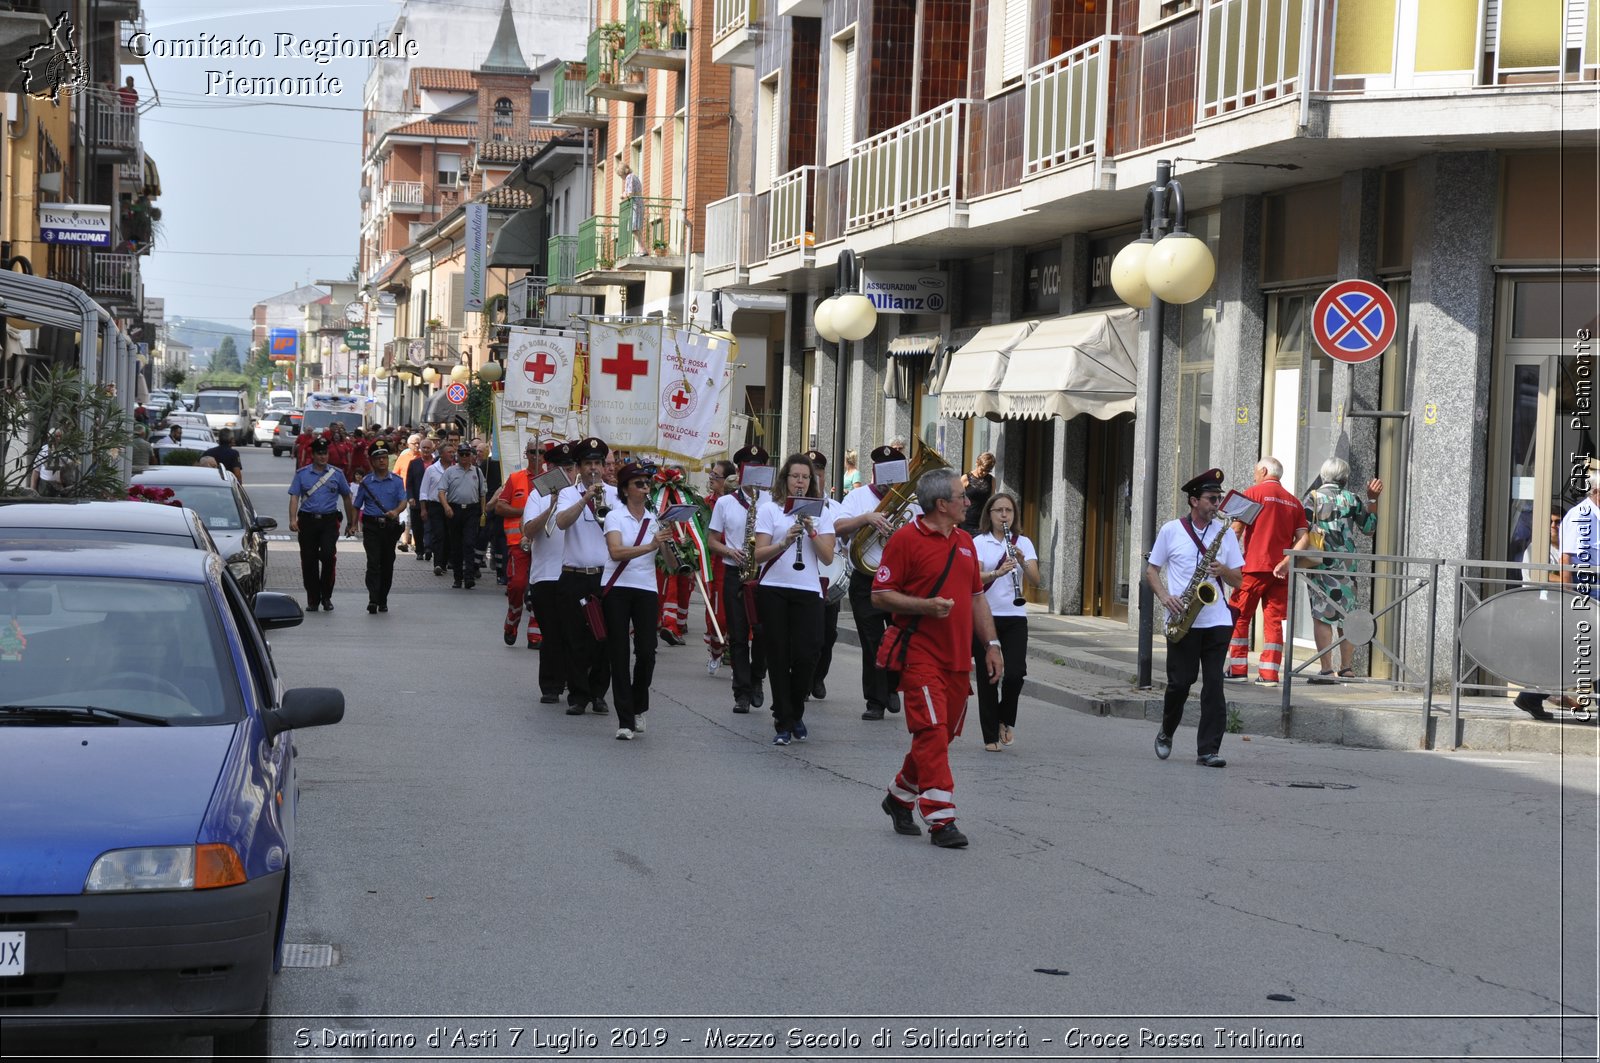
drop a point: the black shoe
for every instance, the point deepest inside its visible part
(575, 710)
(510, 635)
(894, 702)
(741, 706)
(437, 571)
(948, 838)
(1533, 705)
(819, 690)
(456, 585)
(671, 638)
(403, 548)
(873, 713)
(327, 603)
(757, 698)
(1210, 760)
(904, 821)
(471, 583)
(599, 708)
(372, 607)
(383, 607)
(549, 699)
(311, 606)
(1163, 745)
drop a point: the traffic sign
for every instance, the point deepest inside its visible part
(1354, 321)
(358, 339)
(456, 392)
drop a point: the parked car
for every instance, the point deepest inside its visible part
(225, 509)
(188, 419)
(266, 424)
(286, 433)
(85, 520)
(194, 438)
(188, 400)
(150, 794)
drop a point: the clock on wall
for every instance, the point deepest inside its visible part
(354, 312)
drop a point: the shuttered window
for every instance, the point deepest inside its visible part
(841, 96)
(1014, 60)
(849, 127)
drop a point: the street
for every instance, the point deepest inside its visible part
(468, 852)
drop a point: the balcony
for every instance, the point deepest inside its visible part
(404, 197)
(444, 345)
(801, 8)
(650, 234)
(606, 77)
(733, 31)
(915, 165)
(570, 102)
(597, 254)
(1067, 109)
(656, 38)
(791, 216)
(113, 127)
(728, 236)
(563, 265)
(110, 277)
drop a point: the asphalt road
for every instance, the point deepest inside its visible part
(468, 853)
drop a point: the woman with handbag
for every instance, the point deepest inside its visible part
(629, 597)
(1335, 514)
(1005, 559)
(790, 552)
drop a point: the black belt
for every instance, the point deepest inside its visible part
(334, 515)
(584, 571)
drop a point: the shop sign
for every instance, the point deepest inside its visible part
(75, 223)
(907, 292)
(1044, 282)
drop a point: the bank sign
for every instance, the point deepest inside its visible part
(75, 223)
(907, 293)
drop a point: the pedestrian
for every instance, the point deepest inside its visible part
(142, 456)
(226, 456)
(302, 448)
(1007, 561)
(716, 620)
(401, 466)
(462, 491)
(545, 544)
(836, 584)
(852, 474)
(360, 451)
(420, 536)
(380, 498)
(629, 599)
(339, 452)
(491, 539)
(509, 504)
(979, 485)
(1334, 515)
(732, 536)
(581, 512)
(432, 482)
(1180, 546)
(54, 468)
(314, 496)
(789, 599)
(928, 581)
(1279, 525)
(633, 199)
(1580, 553)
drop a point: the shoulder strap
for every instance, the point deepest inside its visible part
(916, 621)
(318, 485)
(643, 526)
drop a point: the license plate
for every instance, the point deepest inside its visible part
(13, 953)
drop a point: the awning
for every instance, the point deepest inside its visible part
(967, 389)
(914, 346)
(388, 277)
(521, 240)
(152, 178)
(1082, 363)
(440, 408)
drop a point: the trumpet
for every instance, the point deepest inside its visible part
(1016, 560)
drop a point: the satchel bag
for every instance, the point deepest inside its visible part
(592, 614)
(897, 640)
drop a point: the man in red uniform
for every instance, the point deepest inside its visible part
(339, 448)
(929, 582)
(1266, 573)
(508, 503)
(302, 448)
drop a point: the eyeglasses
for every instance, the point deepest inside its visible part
(1212, 498)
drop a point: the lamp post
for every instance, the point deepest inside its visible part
(844, 315)
(1156, 269)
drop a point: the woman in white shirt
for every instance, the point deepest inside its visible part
(789, 604)
(1003, 582)
(629, 597)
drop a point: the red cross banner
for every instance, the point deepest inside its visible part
(693, 366)
(539, 372)
(625, 384)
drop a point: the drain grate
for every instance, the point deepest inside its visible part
(309, 955)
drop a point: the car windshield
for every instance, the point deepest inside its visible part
(227, 403)
(102, 535)
(151, 647)
(215, 503)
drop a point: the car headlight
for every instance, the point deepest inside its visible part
(166, 867)
(239, 566)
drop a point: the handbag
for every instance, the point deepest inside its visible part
(897, 640)
(1314, 541)
(592, 614)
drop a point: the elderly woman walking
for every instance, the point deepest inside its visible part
(1335, 514)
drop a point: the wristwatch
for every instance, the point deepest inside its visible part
(994, 642)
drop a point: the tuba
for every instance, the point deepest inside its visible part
(866, 545)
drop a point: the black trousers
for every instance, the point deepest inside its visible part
(830, 635)
(438, 535)
(749, 648)
(791, 622)
(627, 607)
(463, 537)
(997, 702)
(555, 650)
(588, 667)
(319, 552)
(1202, 652)
(870, 623)
(378, 537)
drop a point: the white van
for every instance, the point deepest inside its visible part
(226, 407)
(280, 399)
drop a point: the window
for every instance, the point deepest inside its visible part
(768, 158)
(502, 113)
(841, 95)
(1155, 12)
(539, 106)
(449, 170)
(1008, 45)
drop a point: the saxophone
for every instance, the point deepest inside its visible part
(747, 567)
(1200, 592)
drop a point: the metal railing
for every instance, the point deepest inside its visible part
(402, 194)
(730, 16)
(1068, 101)
(570, 95)
(113, 124)
(105, 274)
(597, 243)
(728, 232)
(563, 259)
(649, 226)
(655, 24)
(444, 345)
(1251, 52)
(914, 165)
(792, 204)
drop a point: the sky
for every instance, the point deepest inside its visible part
(258, 194)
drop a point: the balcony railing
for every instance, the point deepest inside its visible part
(647, 226)
(444, 345)
(656, 25)
(103, 274)
(1068, 102)
(1251, 52)
(730, 16)
(913, 165)
(563, 259)
(113, 125)
(402, 194)
(728, 232)
(597, 243)
(791, 211)
(570, 99)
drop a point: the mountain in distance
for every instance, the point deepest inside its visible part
(207, 335)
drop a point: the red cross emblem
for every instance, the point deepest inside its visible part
(624, 366)
(680, 399)
(540, 369)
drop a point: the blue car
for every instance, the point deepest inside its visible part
(147, 792)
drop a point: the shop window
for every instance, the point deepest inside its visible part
(1298, 243)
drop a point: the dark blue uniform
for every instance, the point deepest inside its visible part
(319, 529)
(376, 497)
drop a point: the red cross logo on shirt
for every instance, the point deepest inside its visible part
(624, 366)
(540, 368)
(679, 399)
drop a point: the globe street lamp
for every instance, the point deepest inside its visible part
(1158, 268)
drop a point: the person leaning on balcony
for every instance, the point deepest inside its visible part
(128, 95)
(633, 190)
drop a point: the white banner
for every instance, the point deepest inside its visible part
(718, 440)
(477, 253)
(624, 384)
(693, 371)
(539, 365)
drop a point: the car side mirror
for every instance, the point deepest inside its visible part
(266, 523)
(305, 707)
(276, 610)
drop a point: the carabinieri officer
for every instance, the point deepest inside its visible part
(314, 495)
(381, 498)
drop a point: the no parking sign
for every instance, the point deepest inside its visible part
(1354, 321)
(456, 392)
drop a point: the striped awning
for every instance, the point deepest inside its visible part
(969, 383)
(914, 346)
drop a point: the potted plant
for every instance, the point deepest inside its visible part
(648, 35)
(660, 247)
(614, 34)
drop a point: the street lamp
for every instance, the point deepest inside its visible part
(846, 314)
(1156, 269)
(490, 372)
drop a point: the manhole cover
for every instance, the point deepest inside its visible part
(309, 955)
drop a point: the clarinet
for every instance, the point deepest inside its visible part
(799, 560)
(1016, 559)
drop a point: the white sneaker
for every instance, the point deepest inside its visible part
(638, 724)
(712, 664)
(624, 735)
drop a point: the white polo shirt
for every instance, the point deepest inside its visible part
(728, 517)
(772, 520)
(585, 542)
(640, 572)
(546, 550)
(991, 555)
(1178, 554)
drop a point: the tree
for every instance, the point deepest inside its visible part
(173, 376)
(226, 360)
(94, 430)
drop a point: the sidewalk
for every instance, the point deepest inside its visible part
(1090, 665)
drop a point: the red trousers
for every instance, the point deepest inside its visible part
(1273, 594)
(674, 592)
(715, 608)
(935, 701)
(517, 562)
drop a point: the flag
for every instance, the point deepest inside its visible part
(624, 373)
(693, 366)
(539, 369)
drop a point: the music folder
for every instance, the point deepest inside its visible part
(1236, 506)
(803, 507)
(552, 482)
(756, 476)
(889, 473)
(680, 513)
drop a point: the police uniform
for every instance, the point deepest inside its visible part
(379, 500)
(317, 516)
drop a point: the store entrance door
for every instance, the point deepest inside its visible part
(1108, 517)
